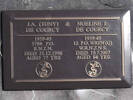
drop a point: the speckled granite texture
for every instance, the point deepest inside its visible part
(87, 94)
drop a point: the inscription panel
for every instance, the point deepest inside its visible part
(66, 48)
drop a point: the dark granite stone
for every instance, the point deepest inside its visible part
(29, 65)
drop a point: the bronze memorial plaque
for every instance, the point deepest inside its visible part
(66, 49)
